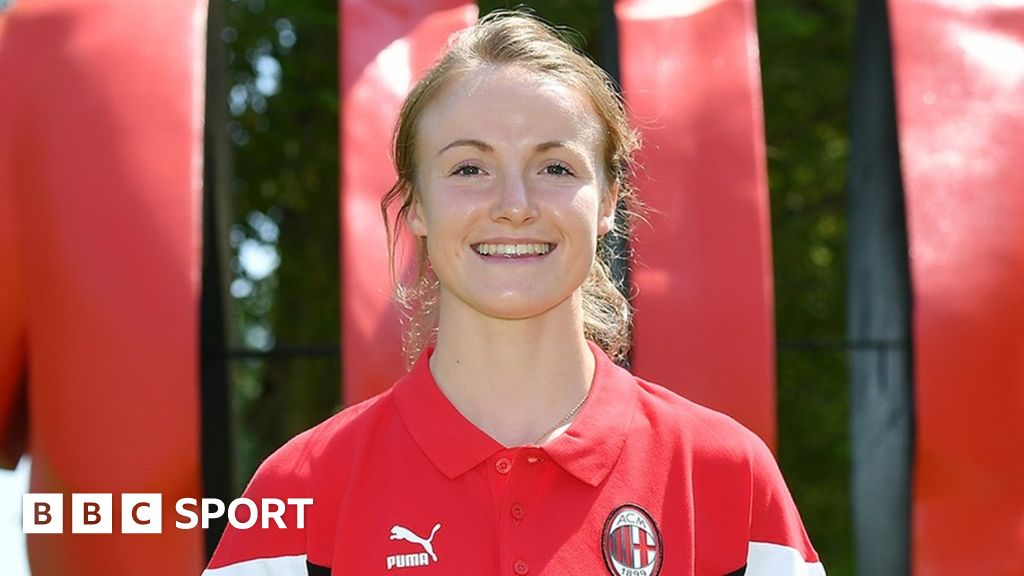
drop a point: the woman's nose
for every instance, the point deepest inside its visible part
(515, 203)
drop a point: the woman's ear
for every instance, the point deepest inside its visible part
(416, 219)
(606, 218)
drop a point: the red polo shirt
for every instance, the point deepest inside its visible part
(644, 482)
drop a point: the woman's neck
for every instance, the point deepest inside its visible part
(513, 379)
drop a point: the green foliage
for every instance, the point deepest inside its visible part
(805, 65)
(283, 87)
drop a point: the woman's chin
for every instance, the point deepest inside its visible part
(518, 306)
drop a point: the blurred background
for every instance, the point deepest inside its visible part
(283, 106)
(280, 118)
(283, 109)
(272, 246)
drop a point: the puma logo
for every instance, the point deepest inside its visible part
(410, 560)
(401, 533)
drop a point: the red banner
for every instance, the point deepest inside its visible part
(13, 301)
(959, 73)
(704, 322)
(385, 46)
(100, 173)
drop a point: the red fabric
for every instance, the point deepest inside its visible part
(408, 458)
(385, 46)
(704, 304)
(13, 304)
(959, 71)
(101, 137)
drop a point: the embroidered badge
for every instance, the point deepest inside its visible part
(631, 542)
(415, 559)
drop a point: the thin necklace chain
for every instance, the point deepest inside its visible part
(565, 418)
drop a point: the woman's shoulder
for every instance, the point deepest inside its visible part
(735, 474)
(708, 433)
(301, 474)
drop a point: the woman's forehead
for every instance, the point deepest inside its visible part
(502, 102)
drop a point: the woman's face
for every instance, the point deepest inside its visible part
(510, 191)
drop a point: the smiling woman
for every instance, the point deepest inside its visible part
(515, 441)
(511, 215)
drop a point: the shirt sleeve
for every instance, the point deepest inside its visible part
(779, 545)
(275, 544)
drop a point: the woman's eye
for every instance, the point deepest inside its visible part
(557, 170)
(467, 170)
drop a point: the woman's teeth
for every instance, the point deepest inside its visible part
(512, 250)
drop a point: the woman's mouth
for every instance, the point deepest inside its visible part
(517, 250)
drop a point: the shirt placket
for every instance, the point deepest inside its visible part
(515, 474)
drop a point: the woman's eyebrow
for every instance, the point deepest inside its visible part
(545, 146)
(570, 145)
(479, 145)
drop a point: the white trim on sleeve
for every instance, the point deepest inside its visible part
(764, 559)
(280, 566)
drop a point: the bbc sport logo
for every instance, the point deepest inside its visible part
(143, 513)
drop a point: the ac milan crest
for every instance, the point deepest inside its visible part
(631, 542)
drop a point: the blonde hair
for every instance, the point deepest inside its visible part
(516, 39)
